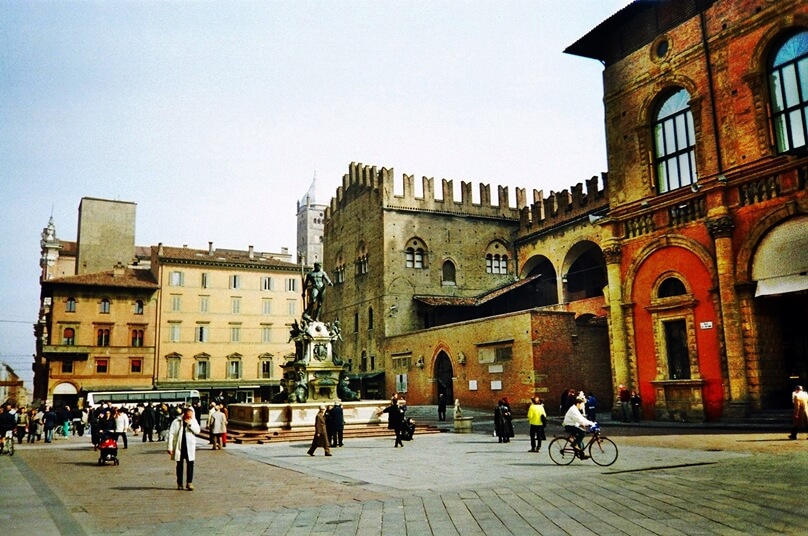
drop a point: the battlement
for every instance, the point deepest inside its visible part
(542, 213)
(558, 207)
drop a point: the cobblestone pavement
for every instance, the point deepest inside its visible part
(666, 481)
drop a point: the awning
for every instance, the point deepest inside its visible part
(782, 285)
(365, 375)
(780, 265)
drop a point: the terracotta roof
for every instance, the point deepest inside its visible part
(222, 256)
(129, 278)
(455, 301)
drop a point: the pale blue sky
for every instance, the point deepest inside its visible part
(214, 116)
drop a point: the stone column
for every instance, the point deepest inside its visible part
(621, 366)
(720, 228)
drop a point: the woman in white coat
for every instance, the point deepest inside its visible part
(182, 445)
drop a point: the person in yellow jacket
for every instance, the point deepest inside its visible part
(537, 418)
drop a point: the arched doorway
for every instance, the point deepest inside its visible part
(65, 394)
(443, 378)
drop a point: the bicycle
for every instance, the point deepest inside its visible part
(7, 443)
(601, 449)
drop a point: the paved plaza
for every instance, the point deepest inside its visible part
(666, 482)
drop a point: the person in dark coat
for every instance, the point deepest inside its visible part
(441, 407)
(148, 418)
(503, 421)
(396, 411)
(48, 424)
(337, 424)
(320, 438)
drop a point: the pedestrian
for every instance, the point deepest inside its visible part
(800, 416)
(34, 417)
(181, 447)
(591, 407)
(217, 424)
(48, 424)
(395, 420)
(537, 418)
(121, 420)
(636, 406)
(22, 423)
(320, 438)
(75, 418)
(337, 424)
(148, 418)
(575, 424)
(441, 407)
(503, 421)
(624, 395)
(223, 408)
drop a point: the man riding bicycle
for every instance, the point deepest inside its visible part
(8, 422)
(575, 424)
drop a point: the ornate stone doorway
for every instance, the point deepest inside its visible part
(443, 378)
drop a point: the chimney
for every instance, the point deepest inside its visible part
(251, 252)
(160, 249)
(210, 248)
(118, 270)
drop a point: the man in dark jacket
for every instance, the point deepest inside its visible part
(49, 423)
(147, 422)
(337, 424)
(396, 411)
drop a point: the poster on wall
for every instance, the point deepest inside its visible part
(496, 385)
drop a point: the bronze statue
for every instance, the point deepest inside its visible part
(314, 292)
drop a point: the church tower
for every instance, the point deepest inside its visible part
(310, 226)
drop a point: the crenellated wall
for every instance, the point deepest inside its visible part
(542, 213)
(566, 205)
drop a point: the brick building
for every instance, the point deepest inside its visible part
(707, 229)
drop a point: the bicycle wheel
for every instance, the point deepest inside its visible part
(603, 451)
(561, 452)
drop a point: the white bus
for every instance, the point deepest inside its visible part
(134, 398)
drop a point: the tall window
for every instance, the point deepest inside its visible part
(173, 368)
(291, 284)
(448, 272)
(138, 307)
(137, 337)
(291, 307)
(103, 337)
(788, 83)
(235, 281)
(266, 307)
(235, 305)
(370, 317)
(174, 333)
(70, 305)
(176, 304)
(414, 258)
(69, 337)
(674, 143)
(266, 334)
(496, 264)
(676, 346)
(266, 283)
(102, 366)
(67, 367)
(202, 333)
(234, 369)
(202, 369)
(235, 333)
(135, 365)
(266, 368)
(105, 306)
(175, 279)
(204, 304)
(205, 280)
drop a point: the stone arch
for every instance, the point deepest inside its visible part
(643, 254)
(584, 271)
(761, 227)
(443, 373)
(546, 286)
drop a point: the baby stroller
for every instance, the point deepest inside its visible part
(109, 450)
(408, 429)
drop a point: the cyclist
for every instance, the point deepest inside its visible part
(575, 424)
(8, 422)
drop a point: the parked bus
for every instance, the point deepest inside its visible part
(135, 398)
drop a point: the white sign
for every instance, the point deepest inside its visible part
(706, 325)
(496, 385)
(472, 385)
(494, 369)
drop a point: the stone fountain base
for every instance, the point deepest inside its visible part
(288, 416)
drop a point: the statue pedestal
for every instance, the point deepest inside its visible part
(288, 416)
(462, 425)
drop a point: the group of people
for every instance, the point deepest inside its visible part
(44, 422)
(630, 404)
(329, 425)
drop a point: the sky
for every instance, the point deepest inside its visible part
(214, 117)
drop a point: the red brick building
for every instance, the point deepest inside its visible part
(706, 238)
